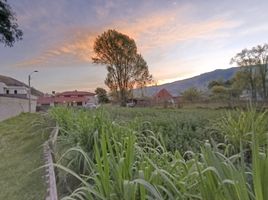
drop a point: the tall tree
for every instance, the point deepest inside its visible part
(255, 61)
(9, 31)
(240, 81)
(144, 80)
(247, 60)
(126, 68)
(260, 53)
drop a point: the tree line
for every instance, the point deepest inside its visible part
(252, 78)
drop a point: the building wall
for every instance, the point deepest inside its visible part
(92, 99)
(10, 107)
(2, 88)
(12, 89)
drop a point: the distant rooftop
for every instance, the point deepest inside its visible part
(66, 97)
(75, 93)
(13, 82)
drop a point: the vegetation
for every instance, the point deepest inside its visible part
(183, 129)
(102, 95)
(9, 31)
(112, 156)
(255, 64)
(191, 94)
(21, 153)
(226, 90)
(126, 68)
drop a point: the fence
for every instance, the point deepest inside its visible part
(50, 172)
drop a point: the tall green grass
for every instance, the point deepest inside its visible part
(183, 129)
(107, 160)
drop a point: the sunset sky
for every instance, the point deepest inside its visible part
(178, 39)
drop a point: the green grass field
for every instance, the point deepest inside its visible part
(122, 153)
(21, 152)
(141, 153)
(182, 129)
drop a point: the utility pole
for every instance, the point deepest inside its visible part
(29, 93)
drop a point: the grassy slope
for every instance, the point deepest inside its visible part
(21, 153)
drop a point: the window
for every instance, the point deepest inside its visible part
(7, 91)
(15, 92)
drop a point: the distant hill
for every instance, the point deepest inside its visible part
(201, 82)
(13, 82)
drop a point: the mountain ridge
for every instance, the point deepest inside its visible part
(199, 81)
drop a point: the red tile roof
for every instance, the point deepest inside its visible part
(66, 97)
(60, 100)
(163, 94)
(75, 93)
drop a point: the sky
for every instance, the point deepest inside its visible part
(178, 39)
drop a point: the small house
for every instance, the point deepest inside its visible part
(68, 98)
(163, 96)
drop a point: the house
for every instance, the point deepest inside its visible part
(163, 96)
(68, 98)
(12, 87)
(14, 97)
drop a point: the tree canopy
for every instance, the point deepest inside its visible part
(191, 94)
(255, 64)
(219, 82)
(126, 67)
(102, 95)
(227, 89)
(9, 31)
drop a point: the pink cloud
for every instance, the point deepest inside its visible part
(151, 32)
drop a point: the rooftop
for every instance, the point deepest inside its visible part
(75, 93)
(13, 82)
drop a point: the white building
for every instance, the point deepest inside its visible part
(13, 89)
(14, 97)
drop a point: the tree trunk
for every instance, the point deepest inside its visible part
(253, 89)
(123, 97)
(262, 71)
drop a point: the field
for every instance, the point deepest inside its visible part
(122, 153)
(182, 129)
(21, 154)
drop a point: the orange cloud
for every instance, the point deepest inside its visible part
(152, 31)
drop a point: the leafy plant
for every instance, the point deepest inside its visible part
(131, 161)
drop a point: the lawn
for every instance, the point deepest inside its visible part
(21, 153)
